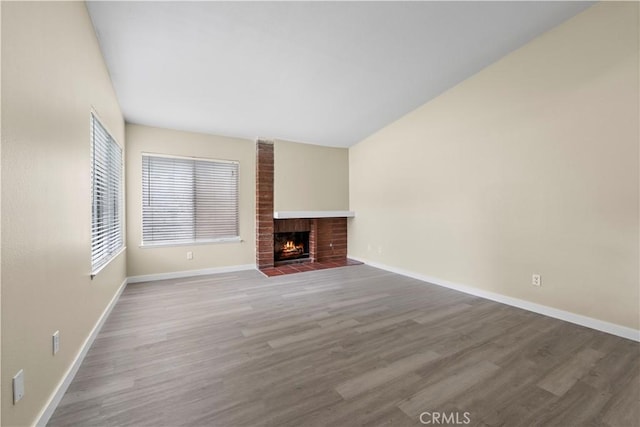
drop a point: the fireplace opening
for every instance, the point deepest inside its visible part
(290, 246)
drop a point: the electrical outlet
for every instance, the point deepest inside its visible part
(56, 341)
(536, 280)
(189, 255)
(18, 386)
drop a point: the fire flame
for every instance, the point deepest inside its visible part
(292, 247)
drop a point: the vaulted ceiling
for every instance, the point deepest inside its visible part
(328, 73)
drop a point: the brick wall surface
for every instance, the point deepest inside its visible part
(330, 239)
(291, 225)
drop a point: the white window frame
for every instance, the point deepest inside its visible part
(107, 212)
(195, 241)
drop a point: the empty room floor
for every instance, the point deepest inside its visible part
(342, 347)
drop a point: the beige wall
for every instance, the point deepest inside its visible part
(52, 75)
(167, 259)
(530, 166)
(310, 177)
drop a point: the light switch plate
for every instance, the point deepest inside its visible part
(56, 341)
(18, 386)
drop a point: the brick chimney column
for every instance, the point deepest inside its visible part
(264, 203)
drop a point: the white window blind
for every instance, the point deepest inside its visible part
(188, 200)
(106, 200)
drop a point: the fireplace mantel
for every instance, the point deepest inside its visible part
(313, 214)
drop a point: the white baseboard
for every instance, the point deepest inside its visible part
(578, 319)
(55, 399)
(190, 273)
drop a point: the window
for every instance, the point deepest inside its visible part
(106, 196)
(188, 200)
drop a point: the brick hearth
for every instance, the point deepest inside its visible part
(307, 266)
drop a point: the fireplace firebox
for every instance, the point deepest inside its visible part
(290, 246)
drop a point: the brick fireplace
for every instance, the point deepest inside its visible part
(327, 237)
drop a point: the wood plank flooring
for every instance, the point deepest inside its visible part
(353, 346)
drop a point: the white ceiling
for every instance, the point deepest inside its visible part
(327, 73)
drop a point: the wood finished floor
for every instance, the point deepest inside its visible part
(353, 346)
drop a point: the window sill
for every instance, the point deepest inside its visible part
(102, 267)
(198, 243)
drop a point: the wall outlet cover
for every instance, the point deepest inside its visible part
(536, 280)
